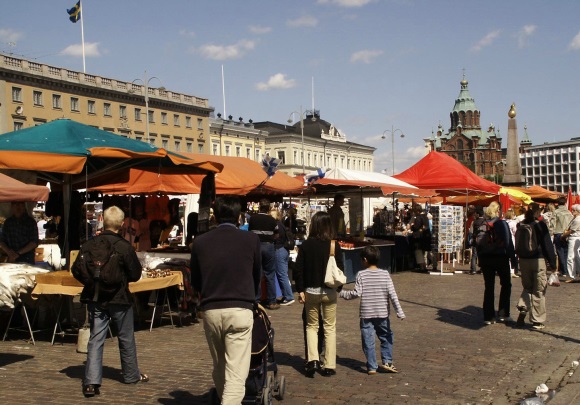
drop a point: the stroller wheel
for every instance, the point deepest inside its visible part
(281, 389)
(267, 396)
(270, 382)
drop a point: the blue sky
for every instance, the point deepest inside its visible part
(376, 64)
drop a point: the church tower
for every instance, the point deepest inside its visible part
(478, 150)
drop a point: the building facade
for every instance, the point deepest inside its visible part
(32, 94)
(465, 141)
(236, 138)
(551, 165)
(319, 144)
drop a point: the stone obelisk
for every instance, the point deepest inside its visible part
(512, 173)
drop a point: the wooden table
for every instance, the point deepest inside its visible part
(64, 284)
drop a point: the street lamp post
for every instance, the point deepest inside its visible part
(301, 114)
(392, 131)
(146, 82)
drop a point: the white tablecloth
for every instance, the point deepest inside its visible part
(16, 279)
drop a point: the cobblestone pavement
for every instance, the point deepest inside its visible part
(444, 353)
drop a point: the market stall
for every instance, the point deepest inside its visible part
(70, 154)
(356, 189)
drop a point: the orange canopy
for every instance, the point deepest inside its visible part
(540, 193)
(240, 176)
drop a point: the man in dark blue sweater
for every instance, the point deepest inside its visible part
(225, 268)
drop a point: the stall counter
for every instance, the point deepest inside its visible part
(353, 262)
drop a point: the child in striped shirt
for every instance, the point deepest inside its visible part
(376, 289)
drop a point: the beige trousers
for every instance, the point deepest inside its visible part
(314, 304)
(229, 336)
(535, 283)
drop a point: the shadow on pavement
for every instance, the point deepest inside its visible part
(469, 317)
(354, 364)
(9, 358)
(184, 397)
(78, 372)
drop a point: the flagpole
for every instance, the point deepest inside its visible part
(223, 93)
(83, 36)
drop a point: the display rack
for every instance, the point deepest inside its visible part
(448, 234)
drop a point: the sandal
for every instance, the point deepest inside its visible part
(142, 378)
(90, 390)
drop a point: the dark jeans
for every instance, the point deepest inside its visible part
(562, 252)
(269, 271)
(489, 267)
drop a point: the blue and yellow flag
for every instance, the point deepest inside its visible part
(75, 12)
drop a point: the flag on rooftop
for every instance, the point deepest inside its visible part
(75, 12)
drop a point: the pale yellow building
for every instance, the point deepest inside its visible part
(32, 93)
(229, 137)
(318, 144)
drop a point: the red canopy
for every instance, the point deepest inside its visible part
(446, 175)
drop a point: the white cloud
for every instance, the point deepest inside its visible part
(277, 81)
(523, 34)
(91, 49)
(187, 33)
(365, 56)
(346, 3)
(304, 21)
(223, 52)
(415, 152)
(257, 29)
(9, 35)
(575, 44)
(486, 41)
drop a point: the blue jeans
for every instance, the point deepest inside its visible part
(473, 266)
(382, 328)
(282, 273)
(269, 271)
(99, 319)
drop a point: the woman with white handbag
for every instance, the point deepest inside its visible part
(318, 299)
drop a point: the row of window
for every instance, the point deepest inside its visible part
(238, 150)
(547, 181)
(550, 159)
(37, 97)
(331, 161)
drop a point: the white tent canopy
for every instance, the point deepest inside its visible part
(348, 174)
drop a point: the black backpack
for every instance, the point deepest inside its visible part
(487, 241)
(526, 240)
(99, 262)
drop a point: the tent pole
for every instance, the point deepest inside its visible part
(66, 195)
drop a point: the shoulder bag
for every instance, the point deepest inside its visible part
(334, 276)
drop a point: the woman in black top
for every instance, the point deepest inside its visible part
(318, 299)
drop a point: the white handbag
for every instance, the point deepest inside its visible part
(334, 276)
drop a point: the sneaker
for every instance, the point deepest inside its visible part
(371, 372)
(489, 322)
(286, 302)
(389, 368)
(505, 319)
(515, 276)
(538, 326)
(521, 319)
(273, 306)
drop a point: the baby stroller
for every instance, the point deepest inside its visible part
(262, 387)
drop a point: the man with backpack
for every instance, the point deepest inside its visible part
(495, 250)
(533, 246)
(105, 266)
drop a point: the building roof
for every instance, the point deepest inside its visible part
(464, 102)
